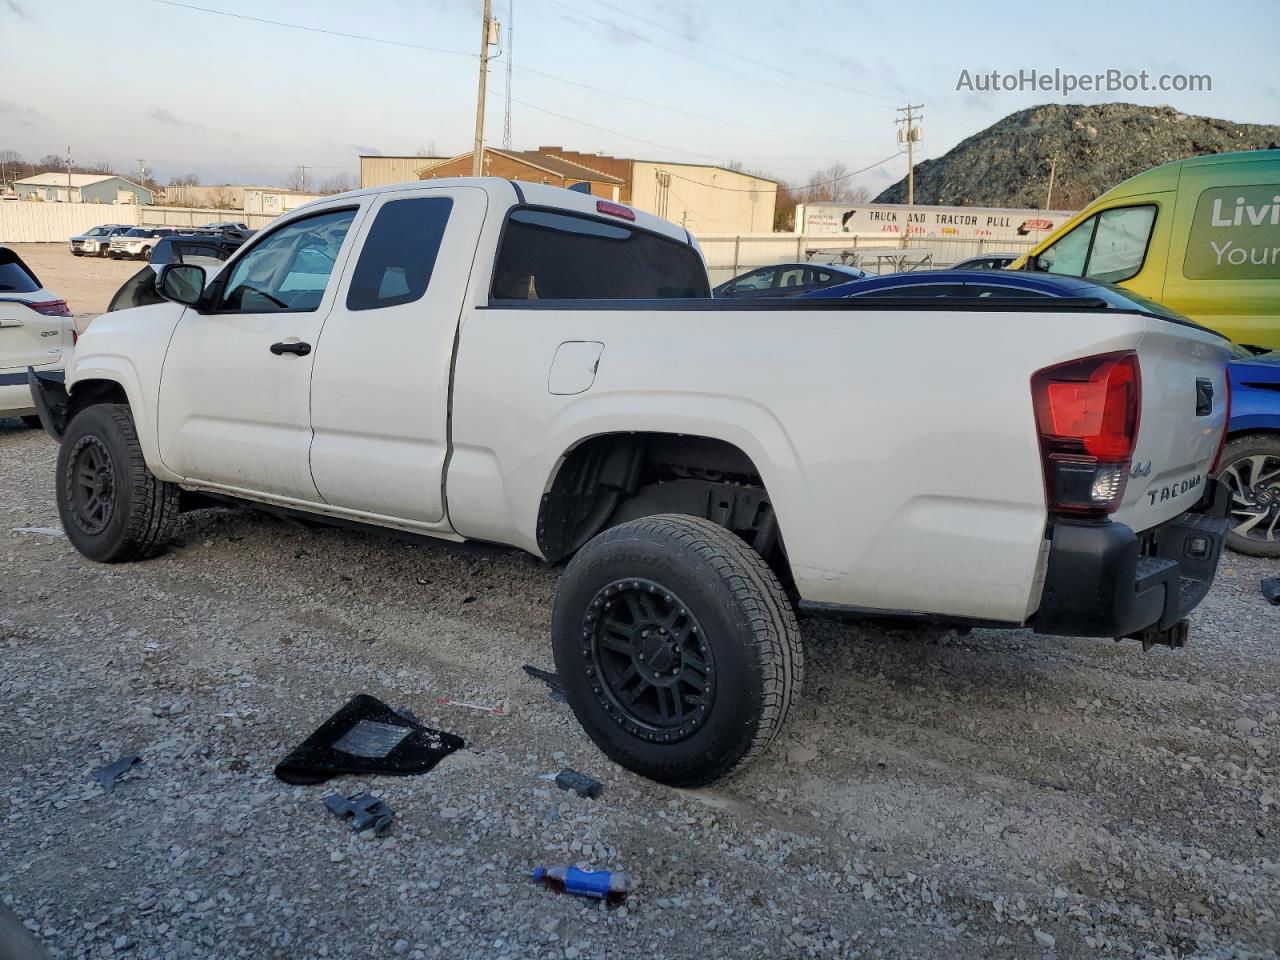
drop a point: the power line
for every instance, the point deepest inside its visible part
(821, 183)
(330, 33)
(664, 146)
(735, 53)
(540, 73)
(678, 53)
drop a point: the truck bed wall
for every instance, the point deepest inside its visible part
(898, 447)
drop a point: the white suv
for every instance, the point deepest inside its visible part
(36, 330)
(96, 242)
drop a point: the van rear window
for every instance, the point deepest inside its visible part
(551, 255)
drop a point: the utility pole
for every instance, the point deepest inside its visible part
(477, 157)
(1053, 168)
(68, 173)
(302, 167)
(142, 172)
(511, 38)
(909, 134)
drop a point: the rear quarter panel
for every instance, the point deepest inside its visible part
(898, 447)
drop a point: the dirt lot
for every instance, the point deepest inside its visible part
(86, 283)
(996, 795)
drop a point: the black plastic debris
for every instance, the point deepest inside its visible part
(579, 783)
(1271, 589)
(365, 737)
(108, 775)
(550, 679)
(365, 810)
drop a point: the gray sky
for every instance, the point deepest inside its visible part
(783, 87)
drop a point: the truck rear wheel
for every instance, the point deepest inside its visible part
(677, 647)
(112, 507)
(1251, 468)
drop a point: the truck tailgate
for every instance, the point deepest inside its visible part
(1184, 411)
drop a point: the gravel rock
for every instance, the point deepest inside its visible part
(947, 798)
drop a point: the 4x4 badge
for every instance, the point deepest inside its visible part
(1141, 470)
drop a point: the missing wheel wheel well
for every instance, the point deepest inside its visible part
(610, 479)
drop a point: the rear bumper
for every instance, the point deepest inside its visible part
(1105, 580)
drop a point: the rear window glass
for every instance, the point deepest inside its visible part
(548, 255)
(399, 253)
(14, 275)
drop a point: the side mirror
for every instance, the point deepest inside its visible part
(181, 283)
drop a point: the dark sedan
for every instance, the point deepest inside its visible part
(787, 280)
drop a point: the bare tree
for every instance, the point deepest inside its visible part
(222, 199)
(339, 183)
(297, 180)
(429, 150)
(185, 180)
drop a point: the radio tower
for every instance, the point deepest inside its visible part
(506, 121)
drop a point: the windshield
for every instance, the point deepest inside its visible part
(96, 232)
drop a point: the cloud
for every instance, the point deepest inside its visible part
(27, 116)
(17, 9)
(161, 115)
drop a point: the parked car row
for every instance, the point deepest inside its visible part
(123, 242)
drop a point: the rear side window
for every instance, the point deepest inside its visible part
(399, 253)
(548, 255)
(14, 275)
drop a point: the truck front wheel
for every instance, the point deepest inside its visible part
(112, 507)
(677, 647)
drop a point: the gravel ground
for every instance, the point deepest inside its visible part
(996, 795)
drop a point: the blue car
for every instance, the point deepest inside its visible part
(1251, 460)
(991, 284)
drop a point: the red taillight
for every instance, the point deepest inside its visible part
(1087, 413)
(615, 210)
(51, 308)
(1226, 425)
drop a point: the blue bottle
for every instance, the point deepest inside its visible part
(598, 884)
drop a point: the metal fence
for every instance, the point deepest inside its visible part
(27, 222)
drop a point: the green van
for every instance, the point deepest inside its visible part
(1201, 236)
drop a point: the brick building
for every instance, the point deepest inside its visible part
(531, 167)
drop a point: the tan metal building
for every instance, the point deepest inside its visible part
(380, 171)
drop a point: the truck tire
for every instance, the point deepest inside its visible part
(112, 507)
(146, 253)
(677, 647)
(1251, 468)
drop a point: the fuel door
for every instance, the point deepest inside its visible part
(573, 369)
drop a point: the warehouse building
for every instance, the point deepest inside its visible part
(82, 187)
(379, 171)
(703, 197)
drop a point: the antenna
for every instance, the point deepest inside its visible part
(511, 33)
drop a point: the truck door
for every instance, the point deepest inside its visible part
(235, 390)
(380, 388)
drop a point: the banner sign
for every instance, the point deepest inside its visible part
(952, 223)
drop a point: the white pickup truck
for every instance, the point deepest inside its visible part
(478, 359)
